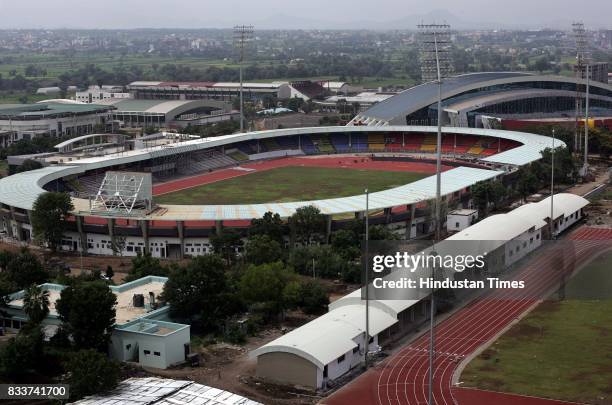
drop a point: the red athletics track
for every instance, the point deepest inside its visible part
(350, 162)
(403, 377)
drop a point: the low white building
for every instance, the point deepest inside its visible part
(142, 332)
(458, 220)
(96, 94)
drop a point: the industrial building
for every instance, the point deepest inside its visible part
(480, 100)
(328, 347)
(143, 332)
(52, 118)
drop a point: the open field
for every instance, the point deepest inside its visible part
(290, 184)
(562, 350)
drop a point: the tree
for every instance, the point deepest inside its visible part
(527, 183)
(262, 249)
(109, 273)
(27, 165)
(87, 312)
(91, 372)
(22, 354)
(199, 292)
(270, 224)
(265, 284)
(24, 269)
(36, 304)
(346, 243)
(226, 244)
(144, 265)
(314, 298)
(49, 217)
(307, 224)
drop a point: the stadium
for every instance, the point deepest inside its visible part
(168, 193)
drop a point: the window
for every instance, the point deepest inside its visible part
(530, 240)
(538, 236)
(456, 224)
(356, 348)
(524, 244)
(146, 352)
(341, 359)
(128, 346)
(157, 353)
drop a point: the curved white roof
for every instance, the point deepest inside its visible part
(329, 336)
(22, 189)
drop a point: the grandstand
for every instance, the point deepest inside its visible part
(168, 229)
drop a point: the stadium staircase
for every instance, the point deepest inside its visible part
(238, 156)
(340, 142)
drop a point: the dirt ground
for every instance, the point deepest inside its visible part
(229, 367)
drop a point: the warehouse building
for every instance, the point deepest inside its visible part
(328, 347)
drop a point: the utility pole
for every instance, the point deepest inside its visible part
(242, 35)
(435, 64)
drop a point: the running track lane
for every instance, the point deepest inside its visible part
(403, 377)
(349, 162)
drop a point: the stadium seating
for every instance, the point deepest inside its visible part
(238, 156)
(90, 184)
(287, 142)
(308, 147)
(206, 162)
(270, 144)
(340, 142)
(376, 142)
(477, 148)
(429, 143)
(359, 142)
(323, 144)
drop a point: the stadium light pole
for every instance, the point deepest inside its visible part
(367, 280)
(552, 187)
(586, 123)
(242, 34)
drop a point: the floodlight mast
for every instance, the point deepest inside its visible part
(242, 35)
(435, 48)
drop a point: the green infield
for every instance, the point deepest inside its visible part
(294, 183)
(561, 350)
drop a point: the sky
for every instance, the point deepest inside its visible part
(308, 14)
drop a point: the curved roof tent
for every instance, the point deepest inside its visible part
(393, 111)
(22, 189)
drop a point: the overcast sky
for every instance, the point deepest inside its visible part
(299, 14)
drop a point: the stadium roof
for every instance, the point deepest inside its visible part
(48, 110)
(22, 189)
(394, 110)
(165, 391)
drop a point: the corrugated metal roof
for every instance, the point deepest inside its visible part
(161, 391)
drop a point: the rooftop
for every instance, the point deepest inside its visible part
(164, 391)
(48, 110)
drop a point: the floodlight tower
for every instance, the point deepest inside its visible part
(435, 46)
(582, 60)
(242, 35)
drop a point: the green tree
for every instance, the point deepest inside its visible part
(24, 269)
(227, 244)
(87, 312)
(91, 372)
(307, 224)
(270, 224)
(22, 354)
(49, 217)
(28, 165)
(314, 297)
(265, 284)
(36, 304)
(199, 292)
(262, 249)
(527, 183)
(144, 265)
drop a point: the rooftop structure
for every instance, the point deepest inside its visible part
(163, 391)
(509, 94)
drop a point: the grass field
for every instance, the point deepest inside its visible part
(562, 350)
(290, 184)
